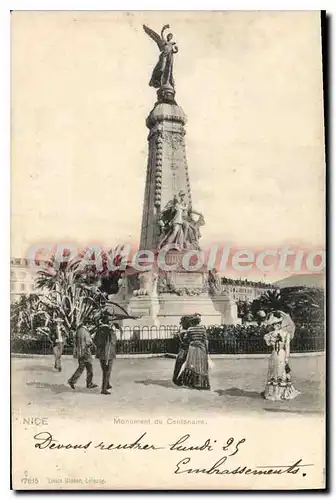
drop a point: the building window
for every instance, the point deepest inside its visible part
(22, 287)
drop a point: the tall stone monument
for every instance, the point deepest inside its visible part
(170, 224)
(167, 170)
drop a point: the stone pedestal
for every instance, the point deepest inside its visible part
(167, 309)
(173, 306)
(227, 309)
(145, 308)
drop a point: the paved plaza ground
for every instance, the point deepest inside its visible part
(144, 387)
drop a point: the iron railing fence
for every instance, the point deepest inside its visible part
(164, 339)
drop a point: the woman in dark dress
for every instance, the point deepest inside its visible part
(194, 372)
(183, 349)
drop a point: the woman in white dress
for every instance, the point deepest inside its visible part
(279, 384)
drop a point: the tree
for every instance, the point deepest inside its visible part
(29, 317)
(78, 294)
(304, 305)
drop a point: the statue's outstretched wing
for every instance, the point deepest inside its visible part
(154, 36)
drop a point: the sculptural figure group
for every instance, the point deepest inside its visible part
(177, 225)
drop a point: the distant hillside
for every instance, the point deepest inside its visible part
(309, 280)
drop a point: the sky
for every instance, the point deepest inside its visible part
(250, 84)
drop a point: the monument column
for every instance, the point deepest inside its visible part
(167, 169)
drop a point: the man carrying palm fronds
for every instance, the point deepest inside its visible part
(83, 347)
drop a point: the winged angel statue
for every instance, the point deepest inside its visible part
(163, 72)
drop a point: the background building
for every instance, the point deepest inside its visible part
(22, 278)
(244, 290)
(308, 280)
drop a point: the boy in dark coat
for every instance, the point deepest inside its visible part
(57, 339)
(106, 341)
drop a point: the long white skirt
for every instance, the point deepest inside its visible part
(279, 383)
